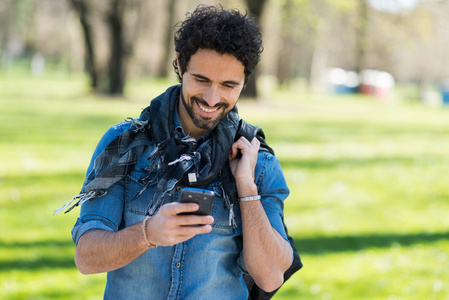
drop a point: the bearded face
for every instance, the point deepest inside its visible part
(211, 86)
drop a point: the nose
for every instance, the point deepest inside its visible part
(212, 96)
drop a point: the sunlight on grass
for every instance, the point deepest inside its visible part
(386, 273)
(368, 187)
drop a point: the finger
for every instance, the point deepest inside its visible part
(240, 144)
(183, 233)
(255, 143)
(188, 220)
(244, 140)
(187, 232)
(233, 152)
(178, 234)
(176, 208)
(245, 146)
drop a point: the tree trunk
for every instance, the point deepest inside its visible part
(117, 57)
(255, 9)
(285, 65)
(108, 79)
(320, 56)
(89, 56)
(5, 21)
(285, 49)
(361, 35)
(168, 41)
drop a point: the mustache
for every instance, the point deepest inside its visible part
(204, 103)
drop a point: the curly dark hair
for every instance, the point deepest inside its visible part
(225, 31)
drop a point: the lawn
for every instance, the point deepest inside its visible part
(368, 204)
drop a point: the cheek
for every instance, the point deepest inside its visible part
(232, 96)
(195, 89)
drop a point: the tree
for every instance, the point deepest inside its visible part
(119, 51)
(116, 16)
(16, 30)
(5, 24)
(361, 35)
(168, 39)
(294, 40)
(89, 55)
(255, 9)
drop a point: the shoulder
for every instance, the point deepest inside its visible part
(268, 167)
(117, 129)
(114, 131)
(111, 134)
(266, 159)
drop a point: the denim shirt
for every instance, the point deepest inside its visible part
(208, 266)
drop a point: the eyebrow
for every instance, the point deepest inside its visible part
(230, 82)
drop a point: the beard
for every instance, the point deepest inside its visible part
(201, 121)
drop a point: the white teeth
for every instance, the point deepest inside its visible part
(206, 109)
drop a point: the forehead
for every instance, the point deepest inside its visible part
(213, 65)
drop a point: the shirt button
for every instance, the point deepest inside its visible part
(179, 188)
(178, 265)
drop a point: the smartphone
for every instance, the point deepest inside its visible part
(204, 198)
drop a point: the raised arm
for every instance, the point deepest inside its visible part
(265, 253)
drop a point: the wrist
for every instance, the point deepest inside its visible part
(247, 190)
(144, 233)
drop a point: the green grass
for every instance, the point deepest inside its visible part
(368, 179)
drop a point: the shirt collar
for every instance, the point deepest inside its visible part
(176, 121)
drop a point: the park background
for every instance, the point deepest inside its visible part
(365, 156)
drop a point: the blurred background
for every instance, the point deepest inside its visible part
(353, 95)
(346, 46)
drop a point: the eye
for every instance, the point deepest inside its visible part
(200, 80)
(230, 86)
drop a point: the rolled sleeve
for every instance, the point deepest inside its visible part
(81, 228)
(102, 213)
(273, 189)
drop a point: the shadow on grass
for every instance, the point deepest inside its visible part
(48, 254)
(332, 244)
(312, 246)
(38, 263)
(42, 243)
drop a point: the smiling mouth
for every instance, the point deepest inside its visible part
(208, 110)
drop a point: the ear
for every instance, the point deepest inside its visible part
(177, 63)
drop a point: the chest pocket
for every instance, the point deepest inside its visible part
(220, 211)
(140, 186)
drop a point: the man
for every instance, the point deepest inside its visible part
(129, 225)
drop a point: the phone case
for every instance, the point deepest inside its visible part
(204, 198)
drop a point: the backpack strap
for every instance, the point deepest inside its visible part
(249, 132)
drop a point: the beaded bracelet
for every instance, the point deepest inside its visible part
(144, 227)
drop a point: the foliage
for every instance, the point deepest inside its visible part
(301, 37)
(368, 191)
